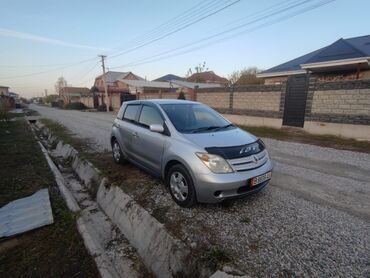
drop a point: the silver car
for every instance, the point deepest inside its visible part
(200, 155)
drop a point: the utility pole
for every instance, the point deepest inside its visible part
(105, 83)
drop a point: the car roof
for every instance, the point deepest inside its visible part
(161, 101)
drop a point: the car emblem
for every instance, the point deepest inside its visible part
(255, 159)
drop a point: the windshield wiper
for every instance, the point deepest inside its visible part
(205, 128)
(223, 127)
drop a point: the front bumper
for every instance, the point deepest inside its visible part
(213, 188)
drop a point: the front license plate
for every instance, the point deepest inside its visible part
(260, 179)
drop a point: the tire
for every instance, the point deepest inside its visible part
(181, 186)
(117, 154)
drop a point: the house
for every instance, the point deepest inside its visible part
(189, 88)
(73, 94)
(4, 90)
(168, 78)
(345, 59)
(116, 87)
(158, 88)
(8, 97)
(207, 77)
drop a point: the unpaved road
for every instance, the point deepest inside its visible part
(313, 219)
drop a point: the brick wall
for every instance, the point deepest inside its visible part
(339, 102)
(251, 100)
(218, 100)
(262, 101)
(345, 102)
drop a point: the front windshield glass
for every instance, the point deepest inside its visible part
(195, 118)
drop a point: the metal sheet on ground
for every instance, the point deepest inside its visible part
(26, 214)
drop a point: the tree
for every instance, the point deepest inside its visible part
(181, 95)
(51, 98)
(201, 67)
(247, 76)
(61, 83)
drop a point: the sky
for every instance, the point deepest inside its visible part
(41, 40)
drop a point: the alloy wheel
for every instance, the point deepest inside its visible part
(178, 186)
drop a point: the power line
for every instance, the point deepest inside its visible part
(252, 16)
(86, 72)
(190, 13)
(174, 31)
(166, 56)
(64, 66)
(48, 71)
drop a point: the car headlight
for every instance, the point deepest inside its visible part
(215, 163)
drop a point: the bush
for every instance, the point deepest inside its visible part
(59, 104)
(75, 106)
(181, 95)
(103, 108)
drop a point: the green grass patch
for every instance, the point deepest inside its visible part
(300, 136)
(245, 220)
(216, 257)
(56, 250)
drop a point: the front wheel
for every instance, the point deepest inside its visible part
(181, 186)
(117, 152)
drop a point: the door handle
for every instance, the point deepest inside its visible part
(134, 133)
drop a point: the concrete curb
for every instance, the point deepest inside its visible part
(71, 202)
(105, 268)
(164, 255)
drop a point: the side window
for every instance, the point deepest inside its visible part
(150, 116)
(130, 112)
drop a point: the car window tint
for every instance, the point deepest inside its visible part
(130, 112)
(150, 116)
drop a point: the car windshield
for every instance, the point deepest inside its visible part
(195, 118)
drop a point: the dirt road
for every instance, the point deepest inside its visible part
(320, 197)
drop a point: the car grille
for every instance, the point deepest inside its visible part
(249, 162)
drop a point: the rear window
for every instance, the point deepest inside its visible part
(131, 112)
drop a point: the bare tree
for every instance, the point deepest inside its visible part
(246, 76)
(61, 83)
(201, 67)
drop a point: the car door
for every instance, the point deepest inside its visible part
(128, 128)
(149, 145)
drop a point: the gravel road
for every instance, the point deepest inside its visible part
(313, 219)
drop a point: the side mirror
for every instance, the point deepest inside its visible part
(156, 128)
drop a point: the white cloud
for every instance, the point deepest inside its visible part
(35, 38)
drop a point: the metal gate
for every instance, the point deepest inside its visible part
(295, 100)
(127, 97)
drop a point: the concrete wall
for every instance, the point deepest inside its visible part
(336, 107)
(344, 102)
(219, 100)
(115, 101)
(262, 101)
(164, 95)
(88, 101)
(341, 102)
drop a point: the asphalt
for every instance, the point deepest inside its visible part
(313, 219)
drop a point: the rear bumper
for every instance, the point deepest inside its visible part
(213, 188)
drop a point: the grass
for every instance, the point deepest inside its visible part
(56, 250)
(245, 220)
(300, 136)
(216, 257)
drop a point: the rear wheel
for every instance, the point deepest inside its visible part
(117, 152)
(181, 186)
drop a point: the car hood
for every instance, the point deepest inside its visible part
(227, 138)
